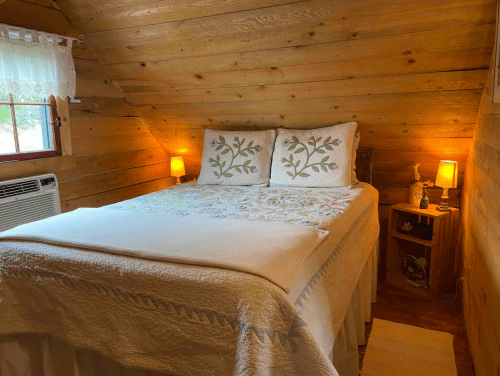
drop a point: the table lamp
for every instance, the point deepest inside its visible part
(177, 168)
(446, 178)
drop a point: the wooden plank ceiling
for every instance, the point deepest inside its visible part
(411, 72)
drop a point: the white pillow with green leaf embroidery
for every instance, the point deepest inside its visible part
(314, 158)
(236, 158)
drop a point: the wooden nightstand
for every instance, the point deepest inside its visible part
(433, 237)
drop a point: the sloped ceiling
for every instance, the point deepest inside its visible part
(411, 72)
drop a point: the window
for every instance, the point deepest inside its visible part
(35, 67)
(27, 128)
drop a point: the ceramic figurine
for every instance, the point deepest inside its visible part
(424, 202)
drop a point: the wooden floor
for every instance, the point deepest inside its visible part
(439, 314)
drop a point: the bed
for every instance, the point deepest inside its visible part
(197, 280)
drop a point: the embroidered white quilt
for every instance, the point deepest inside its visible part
(162, 305)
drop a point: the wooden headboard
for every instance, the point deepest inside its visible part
(368, 155)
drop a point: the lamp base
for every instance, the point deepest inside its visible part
(444, 202)
(178, 180)
(443, 209)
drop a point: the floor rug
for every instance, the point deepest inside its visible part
(397, 350)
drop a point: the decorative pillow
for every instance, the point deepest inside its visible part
(236, 158)
(314, 158)
(355, 145)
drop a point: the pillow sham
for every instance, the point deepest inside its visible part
(314, 158)
(355, 145)
(236, 158)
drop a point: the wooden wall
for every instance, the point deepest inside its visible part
(481, 239)
(410, 72)
(112, 155)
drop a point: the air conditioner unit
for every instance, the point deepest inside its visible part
(28, 200)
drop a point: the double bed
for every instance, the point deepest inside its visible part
(193, 280)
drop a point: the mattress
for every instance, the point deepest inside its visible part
(183, 317)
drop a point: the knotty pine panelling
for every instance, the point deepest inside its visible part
(481, 239)
(411, 72)
(114, 156)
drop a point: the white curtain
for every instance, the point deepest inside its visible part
(33, 63)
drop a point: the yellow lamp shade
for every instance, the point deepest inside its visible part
(177, 166)
(447, 174)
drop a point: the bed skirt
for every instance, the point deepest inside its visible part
(43, 355)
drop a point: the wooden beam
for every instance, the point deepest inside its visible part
(480, 36)
(182, 71)
(428, 116)
(108, 126)
(89, 69)
(101, 107)
(400, 179)
(22, 169)
(98, 164)
(97, 16)
(441, 81)
(411, 102)
(97, 88)
(117, 195)
(112, 144)
(311, 22)
(90, 185)
(395, 195)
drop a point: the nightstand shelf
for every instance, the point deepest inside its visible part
(427, 243)
(432, 238)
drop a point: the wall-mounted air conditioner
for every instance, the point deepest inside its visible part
(28, 200)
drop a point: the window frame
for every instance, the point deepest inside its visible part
(54, 122)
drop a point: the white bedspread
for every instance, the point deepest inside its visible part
(213, 315)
